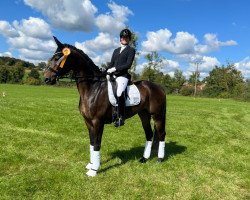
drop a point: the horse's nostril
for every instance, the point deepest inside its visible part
(46, 80)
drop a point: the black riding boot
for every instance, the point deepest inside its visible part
(120, 111)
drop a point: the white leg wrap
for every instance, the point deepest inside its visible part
(161, 150)
(95, 164)
(96, 160)
(91, 150)
(147, 150)
(91, 173)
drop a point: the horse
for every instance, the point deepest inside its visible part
(94, 103)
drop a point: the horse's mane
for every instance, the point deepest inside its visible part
(88, 59)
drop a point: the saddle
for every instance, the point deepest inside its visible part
(132, 93)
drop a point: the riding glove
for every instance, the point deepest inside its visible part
(111, 70)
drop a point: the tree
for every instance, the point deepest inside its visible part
(34, 73)
(166, 82)
(149, 74)
(224, 82)
(5, 75)
(33, 77)
(134, 44)
(178, 81)
(17, 74)
(152, 69)
(192, 78)
(42, 65)
(247, 90)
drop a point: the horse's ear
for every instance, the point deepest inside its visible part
(59, 44)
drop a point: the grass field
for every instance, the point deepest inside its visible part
(44, 148)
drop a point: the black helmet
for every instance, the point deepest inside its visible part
(125, 33)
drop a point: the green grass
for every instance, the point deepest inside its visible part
(44, 148)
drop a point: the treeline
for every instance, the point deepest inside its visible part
(221, 82)
(14, 70)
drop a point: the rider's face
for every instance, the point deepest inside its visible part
(124, 40)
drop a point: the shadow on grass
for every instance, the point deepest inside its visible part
(171, 149)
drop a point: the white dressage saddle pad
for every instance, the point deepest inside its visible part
(133, 98)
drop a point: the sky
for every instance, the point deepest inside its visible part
(185, 33)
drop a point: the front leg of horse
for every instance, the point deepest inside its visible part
(95, 146)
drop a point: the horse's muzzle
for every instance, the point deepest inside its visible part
(50, 81)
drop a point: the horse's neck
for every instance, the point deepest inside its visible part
(85, 72)
(87, 89)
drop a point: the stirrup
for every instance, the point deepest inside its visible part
(119, 122)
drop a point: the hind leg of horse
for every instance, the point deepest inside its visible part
(96, 130)
(161, 133)
(145, 119)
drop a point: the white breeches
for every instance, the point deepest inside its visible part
(121, 85)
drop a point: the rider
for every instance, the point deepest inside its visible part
(121, 62)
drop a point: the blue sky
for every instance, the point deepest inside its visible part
(183, 32)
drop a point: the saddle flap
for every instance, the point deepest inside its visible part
(133, 95)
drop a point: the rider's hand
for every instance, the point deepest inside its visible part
(111, 70)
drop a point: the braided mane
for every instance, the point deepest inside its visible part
(88, 59)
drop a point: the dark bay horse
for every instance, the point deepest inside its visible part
(94, 104)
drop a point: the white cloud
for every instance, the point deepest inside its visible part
(100, 48)
(187, 48)
(212, 44)
(35, 44)
(7, 30)
(7, 54)
(102, 42)
(73, 15)
(29, 54)
(157, 41)
(161, 40)
(244, 67)
(205, 65)
(32, 39)
(115, 22)
(167, 66)
(183, 43)
(103, 58)
(79, 15)
(33, 27)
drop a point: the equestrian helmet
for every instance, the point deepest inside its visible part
(125, 33)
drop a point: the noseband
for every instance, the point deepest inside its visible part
(60, 63)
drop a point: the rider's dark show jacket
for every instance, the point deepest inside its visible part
(122, 61)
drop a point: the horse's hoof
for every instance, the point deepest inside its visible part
(91, 173)
(143, 160)
(119, 122)
(89, 166)
(159, 160)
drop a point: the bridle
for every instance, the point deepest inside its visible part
(55, 67)
(60, 64)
